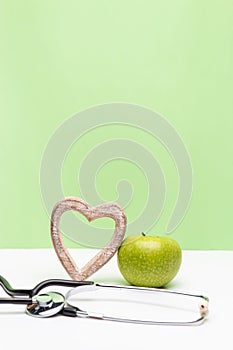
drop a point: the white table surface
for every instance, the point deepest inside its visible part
(202, 272)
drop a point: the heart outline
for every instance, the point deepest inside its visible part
(111, 210)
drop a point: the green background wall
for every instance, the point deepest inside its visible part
(59, 57)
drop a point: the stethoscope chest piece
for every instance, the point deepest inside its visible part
(46, 305)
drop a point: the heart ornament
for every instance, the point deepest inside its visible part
(111, 210)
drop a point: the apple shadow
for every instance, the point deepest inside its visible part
(174, 284)
(117, 281)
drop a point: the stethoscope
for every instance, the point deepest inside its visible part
(48, 304)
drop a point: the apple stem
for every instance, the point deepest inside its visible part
(143, 234)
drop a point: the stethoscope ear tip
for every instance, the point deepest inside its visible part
(204, 307)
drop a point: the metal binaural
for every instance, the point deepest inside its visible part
(203, 304)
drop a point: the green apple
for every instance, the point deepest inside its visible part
(149, 261)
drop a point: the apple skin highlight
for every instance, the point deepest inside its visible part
(149, 261)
